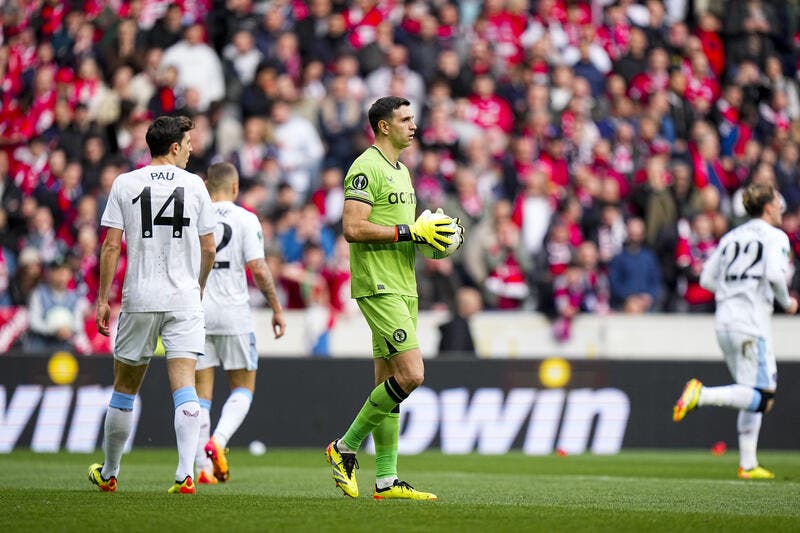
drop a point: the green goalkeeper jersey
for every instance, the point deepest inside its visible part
(382, 268)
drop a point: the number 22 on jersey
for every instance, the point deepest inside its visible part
(744, 261)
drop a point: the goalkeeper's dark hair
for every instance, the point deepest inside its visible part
(166, 130)
(383, 108)
(220, 175)
(756, 196)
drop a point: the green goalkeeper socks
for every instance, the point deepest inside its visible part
(386, 436)
(380, 402)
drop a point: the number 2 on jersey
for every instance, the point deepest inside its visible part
(227, 232)
(177, 220)
(751, 254)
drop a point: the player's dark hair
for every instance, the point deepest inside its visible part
(756, 196)
(164, 131)
(220, 175)
(383, 108)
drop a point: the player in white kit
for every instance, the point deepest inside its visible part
(747, 272)
(229, 327)
(168, 222)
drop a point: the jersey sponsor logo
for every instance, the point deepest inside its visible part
(360, 182)
(492, 421)
(169, 176)
(399, 335)
(402, 198)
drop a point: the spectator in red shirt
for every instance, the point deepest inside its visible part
(702, 88)
(568, 292)
(41, 113)
(695, 245)
(707, 31)
(502, 24)
(553, 159)
(362, 18)
(616, 36)
(507, 282)
(655, 78)
(329, 198)
(583, 288)
(488, 110)
(708, 167)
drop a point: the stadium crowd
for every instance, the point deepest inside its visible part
(595, 151)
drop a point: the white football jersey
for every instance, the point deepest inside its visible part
(747, 271)
(226, 301)
(163, 210)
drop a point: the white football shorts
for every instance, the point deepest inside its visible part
(182, 334)
(233, 352)
(750, 359)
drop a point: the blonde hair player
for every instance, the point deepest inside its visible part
(747, 272)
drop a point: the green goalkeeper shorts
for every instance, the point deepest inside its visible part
(392, 318)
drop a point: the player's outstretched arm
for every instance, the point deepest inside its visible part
(109, 257)
(265, 283)
(208, 251)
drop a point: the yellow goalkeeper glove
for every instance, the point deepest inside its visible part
(461, 231)
(427, 229)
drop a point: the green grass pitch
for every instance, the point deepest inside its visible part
(291, 490)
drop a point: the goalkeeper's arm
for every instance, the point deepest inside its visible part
(357, 228)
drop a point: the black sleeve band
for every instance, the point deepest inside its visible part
(403, 233)
(766, 396)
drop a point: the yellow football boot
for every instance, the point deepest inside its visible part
(758, 472)
(401, 490)
(344, 466)
(182, 487)
(688, 400)
(96, 477)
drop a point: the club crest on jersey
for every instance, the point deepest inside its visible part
(399, 335)
(360, 182)
(169, 176)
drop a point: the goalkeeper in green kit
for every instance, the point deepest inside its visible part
(378, 222)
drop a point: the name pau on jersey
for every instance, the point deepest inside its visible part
(160, 175)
